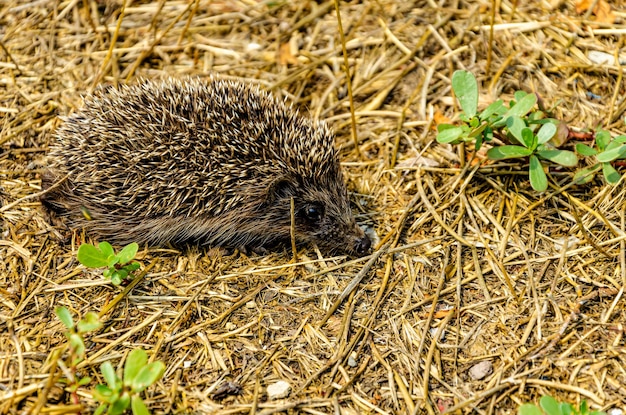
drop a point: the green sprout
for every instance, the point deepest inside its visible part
(76, 346)
(550, 406)
(120, 394)
(534, 145)
(608, 150)
(119, 266)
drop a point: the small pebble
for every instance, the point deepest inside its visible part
(352, 360)
(284, 26)
(603, 58)
(253, 47)
(615, 411)
(480, 370)
(278, 390)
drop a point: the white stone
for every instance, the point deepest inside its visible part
(278, 390)
(481, 369)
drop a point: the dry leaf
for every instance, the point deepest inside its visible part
(285, 55)
(602, 11)
(440, 118)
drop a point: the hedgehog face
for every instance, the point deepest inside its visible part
(322, 216)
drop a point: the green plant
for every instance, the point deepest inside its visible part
(529, 131)
(533, 143)
(550, 406)
(119, 394)
(76, 346)
(119, 266)
(607, 149)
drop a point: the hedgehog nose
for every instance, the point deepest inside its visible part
(362, 245)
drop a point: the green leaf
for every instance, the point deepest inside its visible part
(106, 249)
(147, 376)
(518, 95)
(612, 153)
(449, 135)
(585, 150)
(537, 117)
(495, 108)
(487, 136)
(613, 145)
(523, 106)
(77, 345)
(478, 143)
(584, 408)
(100, 409)
(619, 139)
(515, 126)
(104, 394)
(84, 381)
(138, 407)
(587, 174)
(538, 179)
(91, 257)
(108, 253)
(128, 253)
(136, 360)
(65, 316)
(529, 139)
(610, 174)
(563, 157)
(133, 266)
(545, 133)
(603, 138)
(566, 408)
(529, 409)
(517, 110)
(120, 405)
(108, 372)
(466, 90)
(550, 405)
(508, 152)
(90, 322)
(116, 278)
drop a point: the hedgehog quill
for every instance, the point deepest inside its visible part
(212, 162)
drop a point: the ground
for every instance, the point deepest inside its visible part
(472, 265)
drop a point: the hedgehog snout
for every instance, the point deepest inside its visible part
(362, 245)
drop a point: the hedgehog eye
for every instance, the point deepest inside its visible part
(313, 212)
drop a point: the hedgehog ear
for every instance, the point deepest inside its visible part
(280, 188)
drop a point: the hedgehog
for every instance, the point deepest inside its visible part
(210, 162)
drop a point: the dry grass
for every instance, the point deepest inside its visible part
(477, 266)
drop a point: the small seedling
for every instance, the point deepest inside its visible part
(120, 394)
(119, 266)
(529, 131)
(480, 127)
(76, 345)
(550, 406)
(607, 150)
(533, 145)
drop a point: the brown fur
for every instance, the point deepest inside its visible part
(214, 163)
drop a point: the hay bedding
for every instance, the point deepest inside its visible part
(478, 267)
